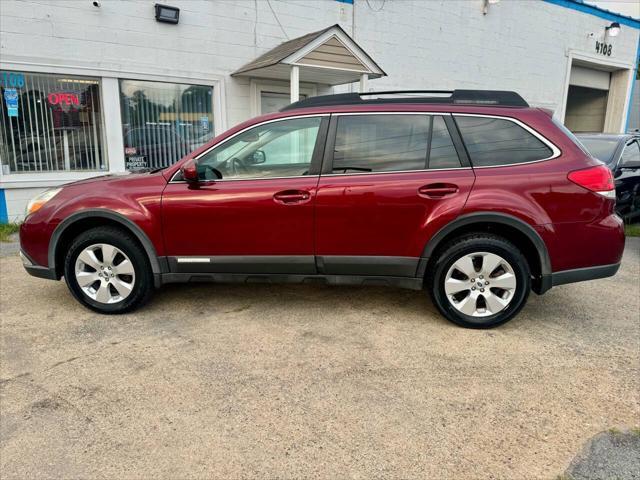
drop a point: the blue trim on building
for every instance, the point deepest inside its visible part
(350, 2)
(580, 6)
(4, 216)
(633, 87)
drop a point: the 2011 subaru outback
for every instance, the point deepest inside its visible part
(474, 196)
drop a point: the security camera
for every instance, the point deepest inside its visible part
(96, 3)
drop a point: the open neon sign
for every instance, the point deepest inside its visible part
(63, 99)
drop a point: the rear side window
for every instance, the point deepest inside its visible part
(442, 153)
(495, 141)
(391, 143)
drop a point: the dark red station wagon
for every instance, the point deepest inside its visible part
(472, 195)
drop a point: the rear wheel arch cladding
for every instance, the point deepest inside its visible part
(483, 222)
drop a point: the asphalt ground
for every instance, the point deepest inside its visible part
(282, 381)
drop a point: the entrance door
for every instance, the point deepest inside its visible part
(586, 109)
(393, 181)
(587, 99)
(274, 101)
(259, 217)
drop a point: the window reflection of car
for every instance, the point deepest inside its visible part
(621, 153)
(197, 142)
(161, 145)
(47, 149)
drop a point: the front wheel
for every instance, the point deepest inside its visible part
(480, 281)
(108, 271)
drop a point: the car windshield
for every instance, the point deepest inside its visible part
(601, 148)
(571, 135)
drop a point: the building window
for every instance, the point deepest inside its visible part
(50, 123)
(162, 122)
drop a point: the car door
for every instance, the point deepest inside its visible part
(257, 218)
(627, 179)
(389, 182)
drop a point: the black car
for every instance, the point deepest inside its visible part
(621, 153)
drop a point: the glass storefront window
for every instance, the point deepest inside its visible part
(50, 123)
(162, 122)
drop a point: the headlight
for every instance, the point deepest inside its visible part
(37, 202)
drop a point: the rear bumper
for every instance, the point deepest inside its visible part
(583, 274)
(575, 275)
(37, 270)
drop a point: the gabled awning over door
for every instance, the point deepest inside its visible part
(329, 56)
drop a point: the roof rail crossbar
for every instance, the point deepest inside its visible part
(498, 98)
(406, 92)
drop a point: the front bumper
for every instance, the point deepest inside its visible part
(37, 270)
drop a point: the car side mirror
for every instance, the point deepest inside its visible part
(258, 157)
(189, 170)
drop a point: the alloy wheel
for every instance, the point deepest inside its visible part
(105, 273)
(480, 284)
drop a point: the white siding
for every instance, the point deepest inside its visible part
(420, 44)
(435, 44)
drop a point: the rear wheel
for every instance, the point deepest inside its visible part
(480, 281)
(108, 271)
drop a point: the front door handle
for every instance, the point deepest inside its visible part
(290, 197)
(437, 190)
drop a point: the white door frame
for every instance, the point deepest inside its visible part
(258, 85)
(597, 61)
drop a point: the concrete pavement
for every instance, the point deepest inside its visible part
(259, 381)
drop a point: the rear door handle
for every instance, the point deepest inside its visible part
(437, 190)
(289, 197)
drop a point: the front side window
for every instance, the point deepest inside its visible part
(277, 149)
(50, 123)
(162, 122)
(495, 141)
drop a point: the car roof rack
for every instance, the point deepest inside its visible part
(494, 98)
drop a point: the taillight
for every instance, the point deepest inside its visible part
(598, 179)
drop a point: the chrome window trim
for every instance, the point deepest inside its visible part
(219, 180)
(556, 152)
(342, 114)
(311, 115)
(424, 170)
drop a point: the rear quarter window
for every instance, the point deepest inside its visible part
(496, 141)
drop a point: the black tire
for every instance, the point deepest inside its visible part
(123, 240)
(469, 244)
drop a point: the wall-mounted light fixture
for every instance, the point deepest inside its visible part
(612, 30)
(167, 14)
(485, 5)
